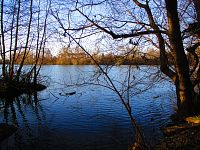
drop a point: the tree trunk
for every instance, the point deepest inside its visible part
(183, 83)
(16, 40)
(2, 42)
(197, 8)
(27, 42)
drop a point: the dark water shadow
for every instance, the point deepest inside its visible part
(17, 112)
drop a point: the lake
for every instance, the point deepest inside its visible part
(92, 118)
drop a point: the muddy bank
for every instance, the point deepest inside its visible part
(183, 136)
(14, 88)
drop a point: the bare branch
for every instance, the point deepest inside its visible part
(116, 36)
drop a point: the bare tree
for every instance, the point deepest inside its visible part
(157, 26)
(20, 37)
(27, 41)
(2, 42)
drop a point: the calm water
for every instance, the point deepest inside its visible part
(94, 117)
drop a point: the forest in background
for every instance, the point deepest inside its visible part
(76, 56)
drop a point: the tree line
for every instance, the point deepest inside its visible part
(70, 56)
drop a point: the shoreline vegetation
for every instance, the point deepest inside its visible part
(68, 56)
(15, 88)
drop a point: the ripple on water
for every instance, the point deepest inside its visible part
(93, 118)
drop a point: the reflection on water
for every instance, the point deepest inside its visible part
(19, 111)
(13, 110)
(92, 118)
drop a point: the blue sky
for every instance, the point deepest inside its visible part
(119, 16)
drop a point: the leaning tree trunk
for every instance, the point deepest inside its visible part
(183, 83)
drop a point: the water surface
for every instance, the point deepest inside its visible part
(94, 117)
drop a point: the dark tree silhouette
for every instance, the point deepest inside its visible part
(161, 27)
